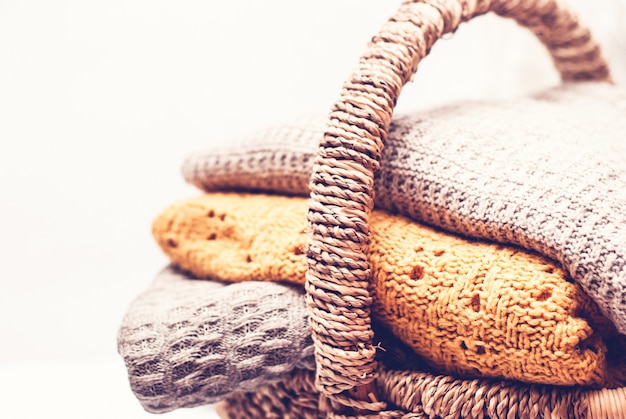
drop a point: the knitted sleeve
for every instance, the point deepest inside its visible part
(547, 173)
(279, 159)
(188, 342)
(470, 308)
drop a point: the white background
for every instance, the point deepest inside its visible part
(99, 103)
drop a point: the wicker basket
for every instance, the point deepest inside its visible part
(349, 382)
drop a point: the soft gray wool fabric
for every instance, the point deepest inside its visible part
(547, 172)
(188, 342)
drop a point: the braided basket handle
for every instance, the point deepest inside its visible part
(349, 155)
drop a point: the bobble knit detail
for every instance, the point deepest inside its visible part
(468, 307)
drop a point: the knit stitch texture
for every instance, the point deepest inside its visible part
(470, 308)
(188, 342)
(547, 173)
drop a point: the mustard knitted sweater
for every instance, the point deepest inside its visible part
(470, 308)
(546, 173)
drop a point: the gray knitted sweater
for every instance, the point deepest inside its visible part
(188, 342)
(546, 172)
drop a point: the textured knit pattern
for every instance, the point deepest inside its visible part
(470, 308)
(188, 342)
(547, 173)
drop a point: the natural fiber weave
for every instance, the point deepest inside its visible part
(188, 342)
(294, 398)
(425, 396)
(338, 265)
(349, 155)
(470, 308)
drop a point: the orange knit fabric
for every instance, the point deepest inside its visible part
(469, 307)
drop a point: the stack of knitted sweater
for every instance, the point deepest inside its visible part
(498, 251)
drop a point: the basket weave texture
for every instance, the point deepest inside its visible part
(349, 155)
(425, 396)
(342, 258)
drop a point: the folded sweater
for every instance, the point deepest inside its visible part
(189, 342)
(470, 308)
(547, 173)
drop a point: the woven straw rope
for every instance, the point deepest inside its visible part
(349, 155)
(417, 395)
